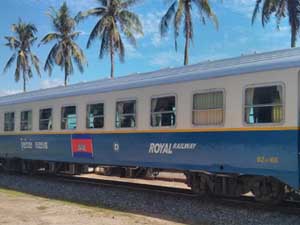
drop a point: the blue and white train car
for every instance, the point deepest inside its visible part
(231, 125)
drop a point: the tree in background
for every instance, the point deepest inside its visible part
(181, 11)
(280, 9)
(65, 51)
(114, 19)
(21, 43)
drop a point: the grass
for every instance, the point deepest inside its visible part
(99, 209)
(12, 193)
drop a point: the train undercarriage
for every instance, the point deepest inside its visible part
(265, 189)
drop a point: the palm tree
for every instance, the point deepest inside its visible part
(181, 10)
(281, 9)
(114, 18)
(21, 45)
(65, 51)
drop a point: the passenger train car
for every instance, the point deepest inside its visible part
(231, 126)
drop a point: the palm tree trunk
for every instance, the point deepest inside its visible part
(293, 38)
(112, 63)
(293, 20)
(24, 83)
(186, 50)
(187, 33)
(66, 74)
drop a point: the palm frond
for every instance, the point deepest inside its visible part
(36, 63)
(13, 43)
(165, 21)
(121, 50)
(61, 54)
(21, 43)
(50, 59)
(78, 56)
(74, 35)
(131, 21)
(206, 11)
(18, 69)
(50, 37)
(104, 43)
(280, 12)
(129, 3)
(177, 21)
(269, 7)
(9, 62)
(97, 30)
(92, 12)
(103, 2)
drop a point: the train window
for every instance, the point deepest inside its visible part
(208, 108)
(68, 118)
(163, 111)
(95, 116)
(26, 120)
(264, 105)
(45, 122)
(9, 121)
(126, 114)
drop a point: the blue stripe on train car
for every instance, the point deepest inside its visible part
(269, 153)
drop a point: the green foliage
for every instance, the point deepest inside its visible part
(181, 11)
(280, 9)
(115, 20)
(65, 51)
(20, 44)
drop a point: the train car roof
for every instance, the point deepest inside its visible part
(275, 60)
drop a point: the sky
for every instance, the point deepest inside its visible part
(235, 36)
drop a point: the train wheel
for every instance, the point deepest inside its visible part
(269, 191)
(107, 171)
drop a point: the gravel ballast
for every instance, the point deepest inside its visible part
(158, 205)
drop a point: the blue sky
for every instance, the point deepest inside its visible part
(235, 36)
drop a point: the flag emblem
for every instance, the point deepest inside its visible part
(82, 146)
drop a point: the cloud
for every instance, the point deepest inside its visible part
(165, 59)
(244, 7)
(49, 83)
(74, 5)
(151, 22)
(9, 92)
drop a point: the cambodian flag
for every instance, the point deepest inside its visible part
(82, 146)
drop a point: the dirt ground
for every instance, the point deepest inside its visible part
(18, 208)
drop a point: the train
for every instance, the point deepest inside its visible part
(231, 125)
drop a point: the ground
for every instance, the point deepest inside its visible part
(18, 208)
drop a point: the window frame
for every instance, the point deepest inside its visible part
(86, 114)
(176, 112)
(136, 113)
(257, 85)
(205, 91)
(39, 119)
(26, 110)
(14, 130)
(60, 116)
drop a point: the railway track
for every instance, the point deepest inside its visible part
(246, 202)
(287, 207)
(126, 185)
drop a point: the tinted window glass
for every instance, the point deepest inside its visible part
(126, 114)
(95, 116)
(68, 118)
(264, 105)
(45, 122)
(9, 121)
(163, 111)
(26, 120)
